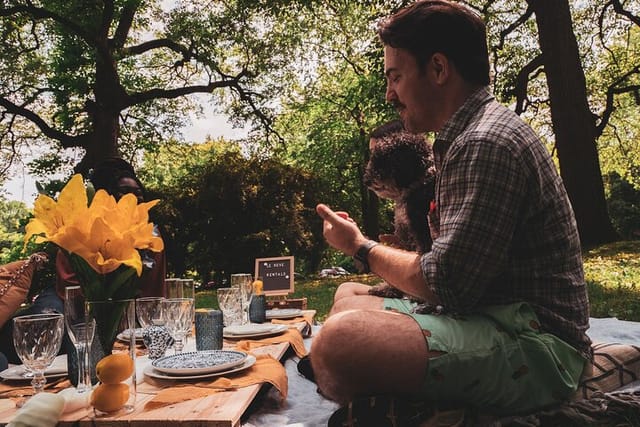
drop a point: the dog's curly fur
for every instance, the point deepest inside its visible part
(401, 168)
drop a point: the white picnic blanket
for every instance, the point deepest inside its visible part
(306, 408)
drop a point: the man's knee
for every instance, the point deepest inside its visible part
(350, 289)
(338, 333)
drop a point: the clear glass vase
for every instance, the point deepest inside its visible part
(117, 334)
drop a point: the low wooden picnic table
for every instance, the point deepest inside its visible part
(221, 409)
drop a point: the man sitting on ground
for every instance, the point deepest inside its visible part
(504, 274)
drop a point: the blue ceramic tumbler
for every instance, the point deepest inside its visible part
(208, 329)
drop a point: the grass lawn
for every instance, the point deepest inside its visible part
(612, 273)
(613, 277)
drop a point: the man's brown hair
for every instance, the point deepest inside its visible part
(431, 26)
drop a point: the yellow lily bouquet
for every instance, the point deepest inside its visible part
(102, 239)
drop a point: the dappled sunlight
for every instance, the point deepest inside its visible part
(612, 273)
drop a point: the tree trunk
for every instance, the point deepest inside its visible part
(369, 201)
(573, 122)
(371, 222)
(110, 99)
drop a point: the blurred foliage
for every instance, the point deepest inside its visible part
(13, 217)
(220, 209)
(623, 200)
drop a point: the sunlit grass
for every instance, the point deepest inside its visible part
(612, 273)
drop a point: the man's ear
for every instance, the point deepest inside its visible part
(440, 68)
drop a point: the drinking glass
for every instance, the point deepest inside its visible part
(37, 339)
(116, 330)
(182, 288)
(244, 282)
(189, 291)
(80, 332)
(149, 311)
(178, 314)
(230, 304)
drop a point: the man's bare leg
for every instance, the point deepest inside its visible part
(350, 289)
(364, 350)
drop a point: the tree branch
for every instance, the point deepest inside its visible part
(504, 33)
(124, 25)
(149, 95)
(65, 139)
(40, 13)
(612, 91)
(521, 20)
(617, 6)
(157, 44)
(263, 118)
(522, 82)
(601, 17)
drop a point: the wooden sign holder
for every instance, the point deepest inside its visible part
(278, 277)
(281, 301)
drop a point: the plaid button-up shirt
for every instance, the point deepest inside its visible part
(506, 230)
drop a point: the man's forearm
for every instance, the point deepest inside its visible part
(402, 270)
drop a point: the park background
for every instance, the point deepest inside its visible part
(302, 83)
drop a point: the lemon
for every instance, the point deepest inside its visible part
(114, 368)
(110, 397)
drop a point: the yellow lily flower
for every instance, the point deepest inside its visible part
(53, 217)
(105, 234)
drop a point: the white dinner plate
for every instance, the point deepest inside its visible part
(57, 369)
(253, 330)
(125, 337)
(151, 372)
(283, 313)
(199, 362)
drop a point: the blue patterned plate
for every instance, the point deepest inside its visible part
(149, 371)
(199, 362)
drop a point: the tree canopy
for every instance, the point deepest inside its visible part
(113, 76)
(120, 75)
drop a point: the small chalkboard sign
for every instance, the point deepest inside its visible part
(277, 274)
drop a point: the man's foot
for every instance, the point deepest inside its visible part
(380, 411)
(304, 367)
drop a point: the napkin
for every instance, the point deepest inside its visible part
(305, 317)
(11, 390)
(265, 370)
(42, 410)
(292, 336)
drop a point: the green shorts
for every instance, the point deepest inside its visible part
(497, 359)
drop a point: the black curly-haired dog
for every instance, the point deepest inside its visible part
(401, 168)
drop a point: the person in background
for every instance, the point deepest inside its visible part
(116, 177)
(504, 275)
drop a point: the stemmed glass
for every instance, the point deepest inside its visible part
(244, 282)
(177, 313)
(230, 304)
(37, 339)
(182, 288)
(81, 331)
(149, 311)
